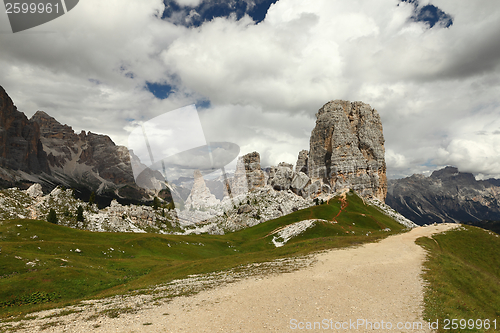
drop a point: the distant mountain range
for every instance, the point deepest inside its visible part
(446, 196)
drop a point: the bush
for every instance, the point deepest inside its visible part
(52, 216)
(156, 203)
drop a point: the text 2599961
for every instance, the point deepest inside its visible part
(463, 324)
(31, 7)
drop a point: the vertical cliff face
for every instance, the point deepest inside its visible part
(20, 145)
(248, 174)
(347, 149)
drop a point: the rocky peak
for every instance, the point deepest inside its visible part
(20, 145)
(51, 128)
(451, 174)
(446, 196)
(42, 144)
(347, 149)
(200, 196)
(446, 172)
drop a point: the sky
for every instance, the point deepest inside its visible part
(259, 70)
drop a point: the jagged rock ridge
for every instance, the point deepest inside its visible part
(446, 196)
(45, 151)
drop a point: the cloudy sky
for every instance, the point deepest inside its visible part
(258, 71)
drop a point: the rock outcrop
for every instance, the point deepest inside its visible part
(280, 177)
(35, 191)
(347, 149)
(200, 196)
(446, 196)
(20, 145)
(302, 161)
(248, 175)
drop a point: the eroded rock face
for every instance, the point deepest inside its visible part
(45, 151)
(302, 160)
(248, 175)
(347, 149)
(20, 145)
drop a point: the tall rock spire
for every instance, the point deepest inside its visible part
(347, 149)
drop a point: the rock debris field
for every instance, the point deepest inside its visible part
(376, 282)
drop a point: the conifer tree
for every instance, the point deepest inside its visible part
(92, 198)
(52, 216)
(79, 214)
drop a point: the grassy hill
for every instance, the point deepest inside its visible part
(43, 265)
(463, 275)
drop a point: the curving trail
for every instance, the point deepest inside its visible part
(343, 205)
(376, 282)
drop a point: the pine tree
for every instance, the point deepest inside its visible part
(52, 216)
(79, 214)
(92, 198)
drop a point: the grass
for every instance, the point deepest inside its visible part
(46, 271)
(463, 276)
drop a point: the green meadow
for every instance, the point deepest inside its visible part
(463, 276)
(43, 265)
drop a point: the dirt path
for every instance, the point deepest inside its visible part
(378, 282)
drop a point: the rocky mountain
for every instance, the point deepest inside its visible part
(447, 195)
(44, 151)
(346, 152)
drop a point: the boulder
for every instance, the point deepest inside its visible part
(35, 191)
(282, 178)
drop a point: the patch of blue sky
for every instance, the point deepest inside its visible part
(208, 10)
(203, 104)
(160, 91)
(430, 14)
